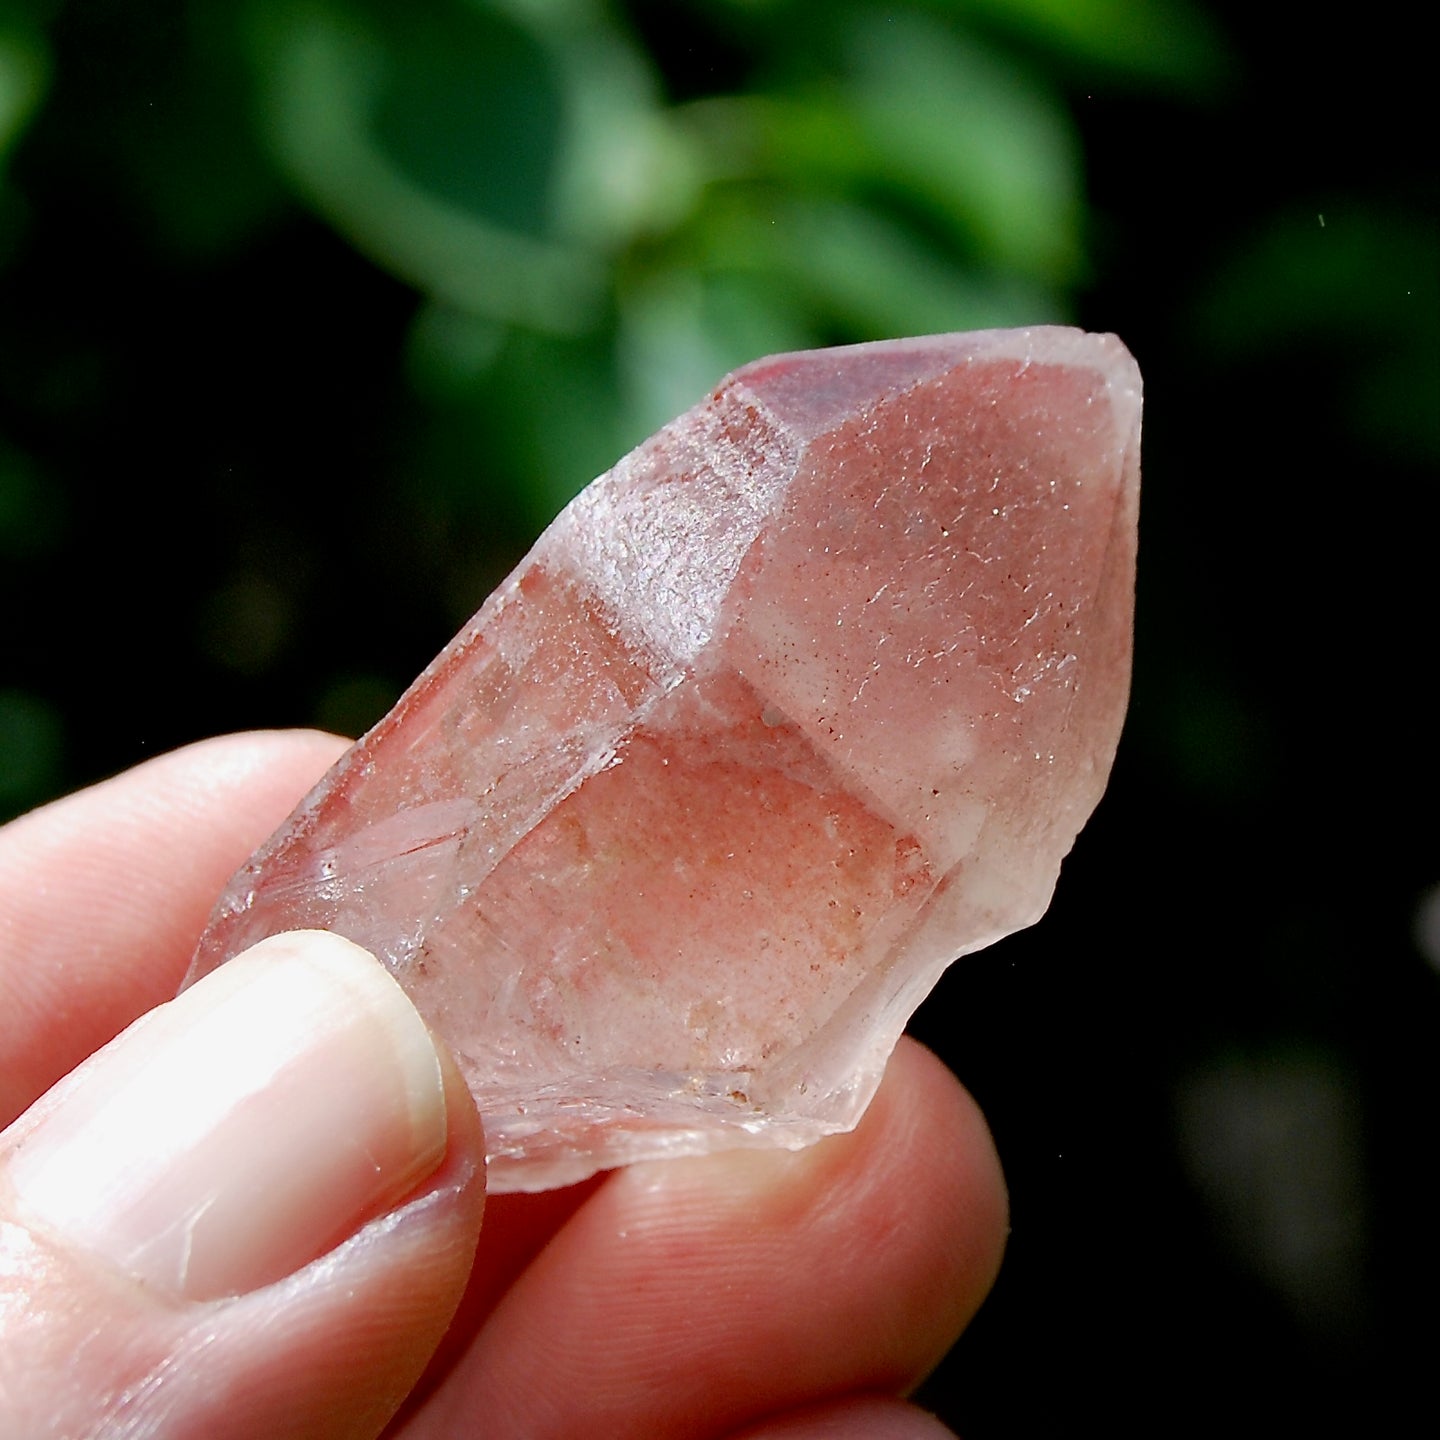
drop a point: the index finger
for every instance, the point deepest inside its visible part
(103, 895)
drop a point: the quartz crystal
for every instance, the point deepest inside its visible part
(804, 699)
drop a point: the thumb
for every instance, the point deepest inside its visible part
(252, 1213)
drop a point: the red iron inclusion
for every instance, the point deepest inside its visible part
(805, 698)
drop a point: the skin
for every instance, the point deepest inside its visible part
(770, 1296)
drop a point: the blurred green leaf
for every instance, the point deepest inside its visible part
(809, 139)
(1323, 272)
(681, 330)
(861, 273)
(468, 107)
(1158, 42)
(626, 170)
(449, 351)
(24, 75)
(329, 74)
(492, 155)
(200, 174)
(917, 121)
(1171, 43)
(557, 410)
(1356, 278)
(979, 140)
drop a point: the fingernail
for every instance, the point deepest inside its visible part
(245, 1128)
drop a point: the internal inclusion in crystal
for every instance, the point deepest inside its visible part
(807, 697)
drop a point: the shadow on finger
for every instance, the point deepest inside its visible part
(692, 1297)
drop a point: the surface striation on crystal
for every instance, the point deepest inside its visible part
(805, 698)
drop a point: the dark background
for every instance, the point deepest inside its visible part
(311, 315)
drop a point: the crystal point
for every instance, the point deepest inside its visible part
(805, 698)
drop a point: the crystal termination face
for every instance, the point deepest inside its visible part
(804, 699)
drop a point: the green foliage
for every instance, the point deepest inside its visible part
(1359, 286)
(23, 74)
(595, 209)
(586, 254)
(582, 246)
(1165, 43)
(517, 165)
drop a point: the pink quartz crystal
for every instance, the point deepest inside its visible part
(805, 698)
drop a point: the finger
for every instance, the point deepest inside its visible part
(103, 895)
(251, 1214)
(866, 1417)
(517, 1228)
(695, 1296)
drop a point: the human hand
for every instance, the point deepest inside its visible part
(264, 1284)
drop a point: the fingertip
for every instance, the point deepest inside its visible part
(753, 1280)
(222, 1147)
(104, 894)
(927, 1110)
(860, 1417)
(237, 1132)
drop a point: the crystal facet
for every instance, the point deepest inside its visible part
(805, 698)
